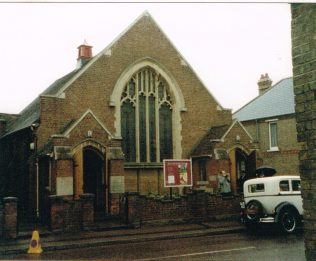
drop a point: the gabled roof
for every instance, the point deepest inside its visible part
(73, 124)
(32, 112)
(276, 101)
(58, 84)
(235, 122)
(107, 51)
(204, 145)
(215, 134)
(26, 118)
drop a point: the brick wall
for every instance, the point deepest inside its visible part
(92, 90)
(8, 218)
(15, 179)
(213, 168)
(196, 206)
(68, 214)
(304, 79)
(143, 39)
(285, 161)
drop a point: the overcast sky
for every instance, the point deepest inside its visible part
(228, 45)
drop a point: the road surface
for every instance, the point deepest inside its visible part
(242, 246)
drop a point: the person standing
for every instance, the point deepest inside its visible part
(241, 181)
(224, 183)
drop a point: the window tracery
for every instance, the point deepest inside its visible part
(146, 117)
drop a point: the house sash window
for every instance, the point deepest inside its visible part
(273, 136)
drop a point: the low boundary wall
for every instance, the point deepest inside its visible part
(8, 218)
(68, 214)
(195, 207)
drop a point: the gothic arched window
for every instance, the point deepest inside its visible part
(146, 118)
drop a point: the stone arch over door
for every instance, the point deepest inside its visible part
(90, 173)
(242, 161)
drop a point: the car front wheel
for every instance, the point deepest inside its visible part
(254, 211)
(288, 221)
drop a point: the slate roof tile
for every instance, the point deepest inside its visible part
(276, 101)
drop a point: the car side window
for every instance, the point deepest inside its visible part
(253, 188)
(296, 185)
(284, 185)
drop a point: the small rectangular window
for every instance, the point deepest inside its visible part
(273, 136)
(296, 185)
(284, 185)
(254, 188)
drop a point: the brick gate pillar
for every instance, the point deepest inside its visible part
(133, 208)
(87, 201)
(10, 224)
(304, 81)
(57, 209)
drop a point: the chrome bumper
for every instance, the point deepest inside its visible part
(267, 220)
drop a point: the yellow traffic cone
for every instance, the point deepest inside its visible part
(35, 246)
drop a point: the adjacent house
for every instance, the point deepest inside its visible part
(106, 127)
(270, 119)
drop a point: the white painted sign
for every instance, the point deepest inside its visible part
(64, 186)
(117, 184)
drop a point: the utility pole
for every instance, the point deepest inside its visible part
(35, 245)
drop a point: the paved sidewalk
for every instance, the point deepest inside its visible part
(118, 235)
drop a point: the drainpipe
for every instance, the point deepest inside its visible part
(257, 131)
(34, 128)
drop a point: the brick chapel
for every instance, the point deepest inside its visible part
(106, 127)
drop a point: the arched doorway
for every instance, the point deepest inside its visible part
(94, 180)
(243, 166)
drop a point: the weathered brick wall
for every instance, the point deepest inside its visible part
(92, 90)
(116, 169)
(285, 161)
(15, 178)
(213, 168)
(64, 167)
(145, 181)
(8, 217)
(68, 214)
(304, 79)
(197, 206)
(231, 139)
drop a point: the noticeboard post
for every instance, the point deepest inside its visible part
(177, 173)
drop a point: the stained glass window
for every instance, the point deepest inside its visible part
(165, 131)
(128, 130)
(146, 118)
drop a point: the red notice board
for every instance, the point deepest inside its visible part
(177, 173)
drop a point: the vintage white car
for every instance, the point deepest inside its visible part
(274, 199)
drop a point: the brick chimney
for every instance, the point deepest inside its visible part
(264, 83)
(84, 54)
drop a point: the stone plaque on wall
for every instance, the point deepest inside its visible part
(117, 184)
(64, 186)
